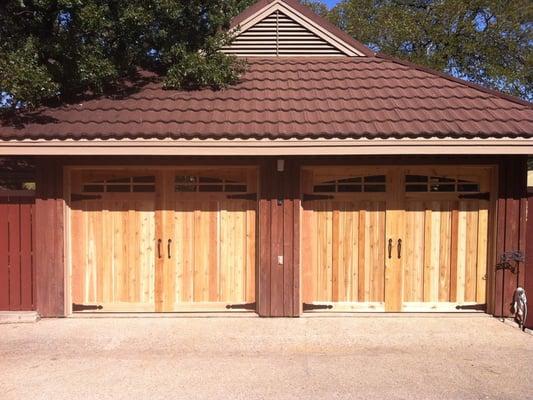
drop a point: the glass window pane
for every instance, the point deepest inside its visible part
(93, 188)
(416, 178)
(118, 188)
(375, 188)
(416, 188)
(375, 179)
(203, 179)
(119, 180)
(442, 188)
(325, 188)
(144, 188)
(468, 187)
(211, 188)
(350, 188)
(186, 179)
(351, 180)
(186, 188)
(144, 179)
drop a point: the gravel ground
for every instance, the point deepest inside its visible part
(361, 357)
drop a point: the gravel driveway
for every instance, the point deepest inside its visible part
(337, 357)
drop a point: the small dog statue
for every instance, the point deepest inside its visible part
(520, 307)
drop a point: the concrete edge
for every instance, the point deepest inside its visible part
(19, 317)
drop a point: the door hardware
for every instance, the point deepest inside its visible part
(159, 248)
(168, 248)
(280, 260)
(390, 249)
(399, 248)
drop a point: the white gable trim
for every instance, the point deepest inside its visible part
(290, 12)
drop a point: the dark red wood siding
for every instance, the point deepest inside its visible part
(528, 271)
(511, 230)
(49, 239)
(16, 253)
(279, 205)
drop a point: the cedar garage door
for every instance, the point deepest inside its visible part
(395, 238)
(163, 240)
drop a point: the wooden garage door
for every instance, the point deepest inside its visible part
(394, 239)
(165, 240)
(208, 235)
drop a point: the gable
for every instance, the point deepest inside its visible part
(281, 30)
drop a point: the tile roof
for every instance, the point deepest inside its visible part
(283, 98)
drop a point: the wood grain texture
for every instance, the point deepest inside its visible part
(49, 228)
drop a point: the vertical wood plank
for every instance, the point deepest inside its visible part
(454, 243)
(4, 256)
(26, 256)
(13, 219)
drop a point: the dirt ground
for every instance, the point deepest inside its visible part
(337, 357)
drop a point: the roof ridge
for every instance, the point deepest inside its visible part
(449, 77)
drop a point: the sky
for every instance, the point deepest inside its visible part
(331, 3)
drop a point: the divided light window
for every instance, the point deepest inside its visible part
(368, 184)
(439, 184)
(191, 183)
(134, 184)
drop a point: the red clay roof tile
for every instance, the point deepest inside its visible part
(282, 98)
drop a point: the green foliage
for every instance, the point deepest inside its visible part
(484, 41)
(60, 49)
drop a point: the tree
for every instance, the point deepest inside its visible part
(483, 41)
(60, 49)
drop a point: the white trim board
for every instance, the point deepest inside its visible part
(265, 147)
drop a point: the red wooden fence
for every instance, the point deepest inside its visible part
(16, 253)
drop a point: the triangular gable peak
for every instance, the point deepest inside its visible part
(280, 28)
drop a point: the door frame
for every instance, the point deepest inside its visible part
(156, 169)
(493, 181)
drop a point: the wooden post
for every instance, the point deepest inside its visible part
(279, 273)
(49, 231)
(528, 270)
(511, 229)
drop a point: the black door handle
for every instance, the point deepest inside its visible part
(168, 248)
(399, 248)
(159, 248)
(390, 249)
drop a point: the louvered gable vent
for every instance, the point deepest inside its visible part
(280, 35)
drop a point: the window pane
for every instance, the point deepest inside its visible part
(416, 178)
(209, 180)
(211, 188)
(93, 188)
(469, 187)
(118, 188)
(186, 179)
(350, 188)
(119, 180)
(351, 180)
(186, 188)
(375, 179)
(144, 188)
(324, 188)
(442, 188)
(144, 179)
(416, 188)
(375, 188)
